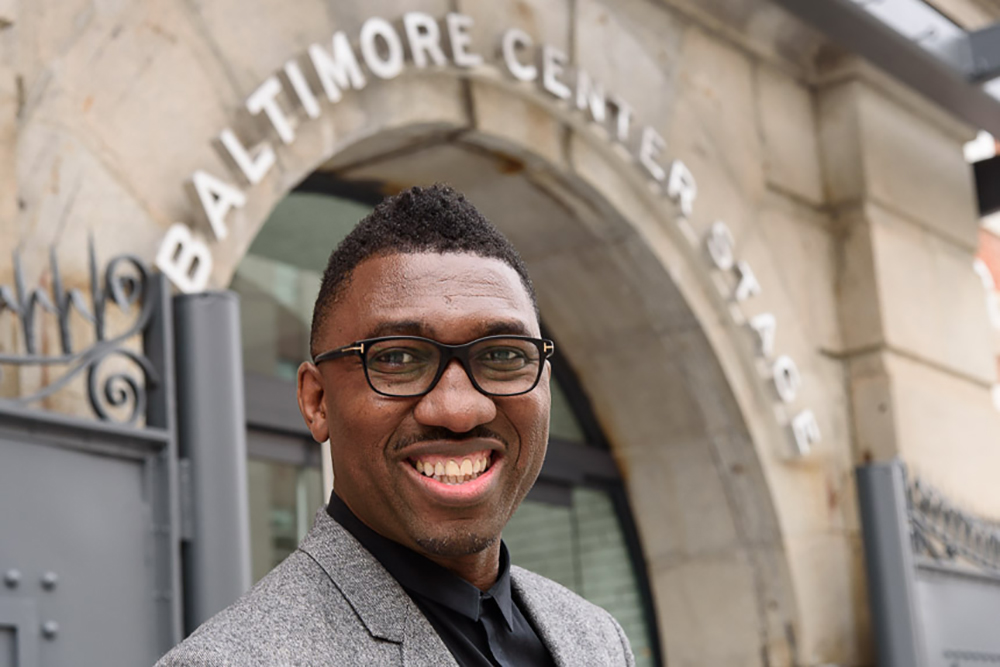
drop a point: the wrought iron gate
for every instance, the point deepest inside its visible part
(98, 531)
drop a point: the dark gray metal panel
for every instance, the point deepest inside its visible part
(8, 644)
(95, 502)
(82, 434)
(19, 633)
(212, 434)
(890, 565)
(960, 612)
(88, 518)
(161, 413)
(850, 26)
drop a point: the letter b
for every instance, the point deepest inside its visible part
(185, 260)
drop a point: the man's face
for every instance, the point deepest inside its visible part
(378, 442)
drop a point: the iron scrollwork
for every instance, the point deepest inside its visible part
(125, 282)
(943, 532)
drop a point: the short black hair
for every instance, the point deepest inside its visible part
(422, 219)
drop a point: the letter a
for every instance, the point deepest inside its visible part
(217, 199)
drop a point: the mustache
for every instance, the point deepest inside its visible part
(439, 433)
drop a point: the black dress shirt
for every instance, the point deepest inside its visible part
(480, 629)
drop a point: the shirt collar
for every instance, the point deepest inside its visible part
(424, 577)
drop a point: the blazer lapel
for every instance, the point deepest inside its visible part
(568, 646)
(380, 602)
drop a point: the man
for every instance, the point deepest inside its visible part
(431, 382)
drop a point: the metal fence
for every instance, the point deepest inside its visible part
(933, 574)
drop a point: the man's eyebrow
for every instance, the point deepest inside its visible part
(513, 327)
(398, 328)
(417, 328)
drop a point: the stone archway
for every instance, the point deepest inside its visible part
(636, 313)
(702, 504)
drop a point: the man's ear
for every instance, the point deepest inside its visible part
(311, 403)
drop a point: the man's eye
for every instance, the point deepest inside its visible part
(398, 358)
(503, 358)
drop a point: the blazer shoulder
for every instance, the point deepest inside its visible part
(574, 628)
(295, 615)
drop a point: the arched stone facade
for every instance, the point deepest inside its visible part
(754, 554)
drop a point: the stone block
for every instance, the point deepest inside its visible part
(708, 612)
(612, 180)
(873, 404)
(680, 484)
(512, 118)
(584, 294)
(657, 406)
(545, 22)
(931, 300)
(9, 109)
(105, 87)
(882, 142)
(632, 49)
(948, 432)
(145, 96)
(48, 28)
(914, 167)
(506, 111)
(71, 194)
(859, 305)
(713, 134)
(794, 255)
(840, 142)
(828, 575)
(788, 125)
(661, 300)
(278, 33)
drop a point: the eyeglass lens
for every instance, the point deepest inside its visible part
(405, 367)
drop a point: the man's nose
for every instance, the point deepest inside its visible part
(455, 403)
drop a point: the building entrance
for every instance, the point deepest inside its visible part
(575, 526)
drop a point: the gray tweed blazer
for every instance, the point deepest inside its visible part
(332, 603)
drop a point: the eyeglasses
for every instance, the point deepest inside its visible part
(410, 366)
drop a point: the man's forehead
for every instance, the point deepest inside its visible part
(416, 264)
(430, 293)
(406, 274)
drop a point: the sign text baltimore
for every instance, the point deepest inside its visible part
(381, 52)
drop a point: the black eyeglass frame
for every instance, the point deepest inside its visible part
(546, 348)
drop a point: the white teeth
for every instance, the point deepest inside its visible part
(452, 472)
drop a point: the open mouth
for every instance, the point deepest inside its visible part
(453, 470)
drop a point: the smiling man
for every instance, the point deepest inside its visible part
(431, 381)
